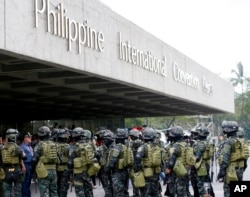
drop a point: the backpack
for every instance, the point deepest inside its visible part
(156, 155)
(49, 154)
(130, 158)
(62, 153)
(85, 153)
(187, 154)
(244, 150)
(9, 155)
(209, 151)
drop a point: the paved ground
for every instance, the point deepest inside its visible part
(98, 192)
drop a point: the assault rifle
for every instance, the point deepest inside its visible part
(212, 162)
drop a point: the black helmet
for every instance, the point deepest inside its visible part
(148, 133)
(12, 134)
(63, 133)
(202, 131)
(77, 132)
(44, 131)
(121, 133)
(108, 137)
(87, 134)
(229, 126)
(176, 131)
(107, 134)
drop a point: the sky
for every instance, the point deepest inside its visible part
(214, 33)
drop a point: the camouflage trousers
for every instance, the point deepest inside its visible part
(151, 188)
(200, 183)
(120, 183)
(181, 186)
(83, 185)
(171, 187)
(105, 179)
(62, 183)
(226, 187)
(9, 188)
(48, 186)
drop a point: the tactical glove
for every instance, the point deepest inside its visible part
(222, 174)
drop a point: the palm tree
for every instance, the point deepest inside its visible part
(239, 80)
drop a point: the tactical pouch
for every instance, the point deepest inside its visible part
(231, 174)
(179, 169)
(139, 180)
(2, 174)
(202, 170)
(41, 171)
(77, 163)
(120, 164)
(131, 173)
(93, 169)
(148, 172)
(157, 169)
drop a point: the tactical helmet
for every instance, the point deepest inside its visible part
(134, 132)
(108, 137)
(12, 134)
(240, 132)
(121, 133)
(176, 131)
(63, 133)
(107, 134)
(77, 132)
(202, 131)
(148, 133)
(229, 126)
(86, 134)
(44, 131)
(158, 134)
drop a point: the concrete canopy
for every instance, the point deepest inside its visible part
(40, 79)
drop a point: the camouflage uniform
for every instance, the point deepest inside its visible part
(62, 136)
(79, 161)
(47, 184)
(142, 156)
(134, 143)
(105, 176)
(177, 154)
(169, 178)
(117, 165)
(203, 163)
(11, 164)
(228, 162)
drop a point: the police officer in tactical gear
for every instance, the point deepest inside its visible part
(176, 165)
(108, 138)
(44, 163)
(135, 142)
(202, 166)
(81, 157)
(117, 164)
(143, 161)
(11, 157)
(231, 162)
(61, 137)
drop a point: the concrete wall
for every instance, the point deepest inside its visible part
(25, 37)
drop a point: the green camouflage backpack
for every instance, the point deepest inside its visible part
(9, 155)
(49, 152)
